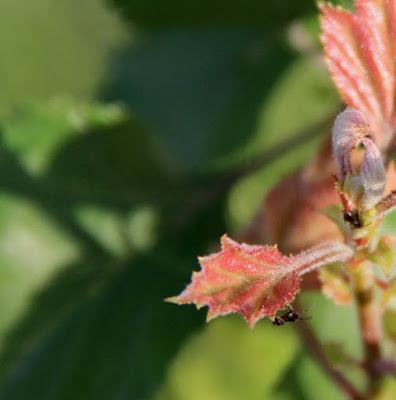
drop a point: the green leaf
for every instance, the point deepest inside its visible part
(62, 145)
(325, 319)
(228, 361)
(110, 328)
(199, 90)
(34, 248)
(50, 49)
(294, 106)
(101, 327)
(323, 315)
(315, 384)
(36, 131)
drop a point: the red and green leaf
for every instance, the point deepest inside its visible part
(360, 52)
(254, 281)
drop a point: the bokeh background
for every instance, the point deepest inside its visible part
(134, 133)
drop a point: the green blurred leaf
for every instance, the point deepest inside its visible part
(33, 249)
(106, 328)
(325, 315)
(101, 217)
(302, 97)
(315, 384)
(58, 47)
(103, 315)
(326, 318)
(228, 361)
(36, 131)
(120, 233)
(82, 151)
(105, 319)
(199, 90)
(48, 220)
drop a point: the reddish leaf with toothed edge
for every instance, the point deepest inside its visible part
(254, 281)
(360, 52)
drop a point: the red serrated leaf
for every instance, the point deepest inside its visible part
(254, 281)
(360, 52)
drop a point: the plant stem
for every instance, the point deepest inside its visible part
(370, 323)
(386, 367)
(318, 353)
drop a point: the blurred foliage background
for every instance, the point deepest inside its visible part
(133, 134)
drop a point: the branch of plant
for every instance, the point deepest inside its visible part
(386, 367)
(370, 324)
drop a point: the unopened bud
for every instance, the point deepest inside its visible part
(364, 184)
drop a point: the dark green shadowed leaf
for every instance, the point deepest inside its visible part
(200, 90)
(113, 333)
(252, 13)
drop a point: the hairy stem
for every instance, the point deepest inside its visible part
(370, 324)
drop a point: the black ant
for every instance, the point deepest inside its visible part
(289, 316)
(353, 218)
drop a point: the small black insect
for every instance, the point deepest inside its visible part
(289, 316)
(353, 218)
(278, 321)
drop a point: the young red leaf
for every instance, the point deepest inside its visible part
(359, 51)
(254, 281)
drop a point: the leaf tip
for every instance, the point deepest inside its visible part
(172, 299)
(227, 242)
(252, 322)
(323, 5)
(210, 316)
